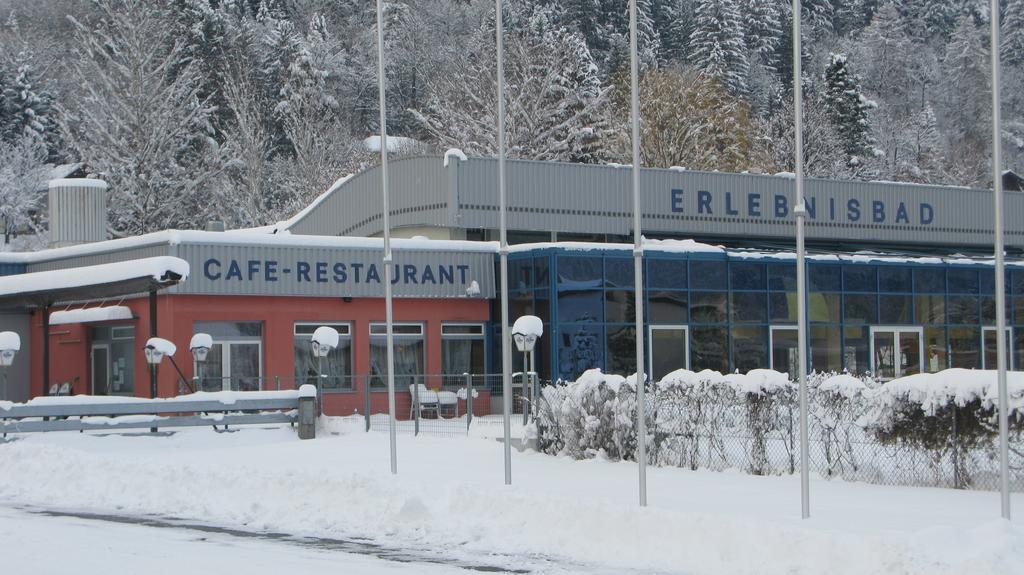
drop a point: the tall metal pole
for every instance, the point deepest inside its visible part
(638, 262)
(800, 210)
(388, 308)
(506, 336)
(997, 194)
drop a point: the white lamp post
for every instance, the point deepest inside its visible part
(200, 347)
(155, 350)
(525, 332)
(325, 339)
(10, 344)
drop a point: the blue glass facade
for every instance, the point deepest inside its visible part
(737, 311)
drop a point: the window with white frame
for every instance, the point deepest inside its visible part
(337, 366)
(409, 354)
(462, 348)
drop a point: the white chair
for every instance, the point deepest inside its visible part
(447, 400)
(426, 398)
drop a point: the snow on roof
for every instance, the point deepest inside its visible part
(454, 153)
(92, 314)
(156, 267)
(78, 182)
(10, 340)
(395, 143)
(62, 171)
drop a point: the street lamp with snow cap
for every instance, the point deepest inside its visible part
(525, 332)
(325, 339)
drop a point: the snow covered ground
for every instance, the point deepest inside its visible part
(448, 502)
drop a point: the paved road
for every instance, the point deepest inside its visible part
(69, 542)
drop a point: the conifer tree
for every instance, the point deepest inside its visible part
(1012, 33)
(718, 47)
(847, 108)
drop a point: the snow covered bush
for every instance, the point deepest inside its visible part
(837, 402)
(950, 415)
(592, 416)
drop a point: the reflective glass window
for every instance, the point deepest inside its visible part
(826, 348)
(929, 280)
(962, 309)
(935, 349)
(1016, 280)
(709, 348)
(621, 349)
(782, 306)
(709, 275)
(860, 278)
(860, 309)
(782, 277)
(895, 309)
(749, 307)
(824, 278)
(964, 347)
(962, 280)
(749, 348)
(575, 272)
(664, 273)
(930, 308)
(520, 273)
(668, 307)
(579, 348)
(988, 310)
(894, 279)
(620, 306)
(856, 349)
(337, 366)
(824, 307)
(708, 307)
(520, 303)
(541, 271)
(746, 276)
(618, 272)
(987, 278)
(581, 306)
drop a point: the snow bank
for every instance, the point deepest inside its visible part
(565, 515)
(92, 314)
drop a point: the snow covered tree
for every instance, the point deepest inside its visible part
(965, 102)
(139, 126)
(818, 15)
(26, 107)
(824, 156)
(847, 108)
(1012, 33)
(554, 95)
(762, 30)
(23, 173)
(718, 46)
(673, 22)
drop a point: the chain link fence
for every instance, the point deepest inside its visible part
(716, 425)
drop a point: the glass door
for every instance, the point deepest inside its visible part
(669, 350)
(896, 352)
(101, 369)
(233, 366)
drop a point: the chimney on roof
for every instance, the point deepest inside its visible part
(78, 211)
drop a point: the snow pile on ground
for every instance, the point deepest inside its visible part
(448, 498)
(842, 384)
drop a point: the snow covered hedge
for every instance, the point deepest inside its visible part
(935, 429)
